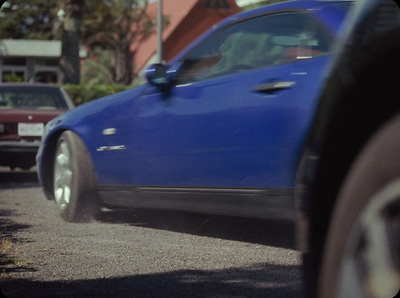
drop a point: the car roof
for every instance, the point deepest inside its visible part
(301, 4)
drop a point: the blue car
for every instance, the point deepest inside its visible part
(218, 130)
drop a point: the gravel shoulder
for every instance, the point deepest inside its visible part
(140, 254)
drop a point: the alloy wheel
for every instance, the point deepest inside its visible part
(62, 176)
(371, 260)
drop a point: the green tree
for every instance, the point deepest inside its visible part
(97, 69)
(24, 19)
(43, 19)
(71, 28)
(115, 25)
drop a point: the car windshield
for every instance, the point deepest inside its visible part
(31, 98)
(343, 5)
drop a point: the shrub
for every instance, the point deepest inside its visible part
(84, 93)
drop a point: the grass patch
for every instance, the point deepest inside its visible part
(23, 264)
(9, 262)
(6, 245)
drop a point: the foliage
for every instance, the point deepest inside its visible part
(84, 93)
(20, 19)
(112, 21)
(115, 25)
(97, 69)
(12, 78)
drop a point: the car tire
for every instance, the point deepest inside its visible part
(74, 180)
(362, 252)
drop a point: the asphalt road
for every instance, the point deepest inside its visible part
(137, 253)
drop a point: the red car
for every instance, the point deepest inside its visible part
(24, 111)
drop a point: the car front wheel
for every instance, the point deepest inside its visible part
(362, 254)
(74, 180)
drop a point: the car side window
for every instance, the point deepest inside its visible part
(256, 43)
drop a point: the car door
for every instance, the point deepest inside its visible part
(238, 110)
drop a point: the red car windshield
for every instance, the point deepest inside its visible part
(32, 98)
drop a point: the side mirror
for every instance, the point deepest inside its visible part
(157, 75)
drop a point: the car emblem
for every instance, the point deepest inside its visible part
(30, 117)
(111, 148)
(109, 131)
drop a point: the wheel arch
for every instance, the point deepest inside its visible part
(48, 167)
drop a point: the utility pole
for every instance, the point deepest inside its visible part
(159, 33)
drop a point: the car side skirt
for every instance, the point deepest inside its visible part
(261, 203)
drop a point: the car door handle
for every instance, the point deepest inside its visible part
(273, 87)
